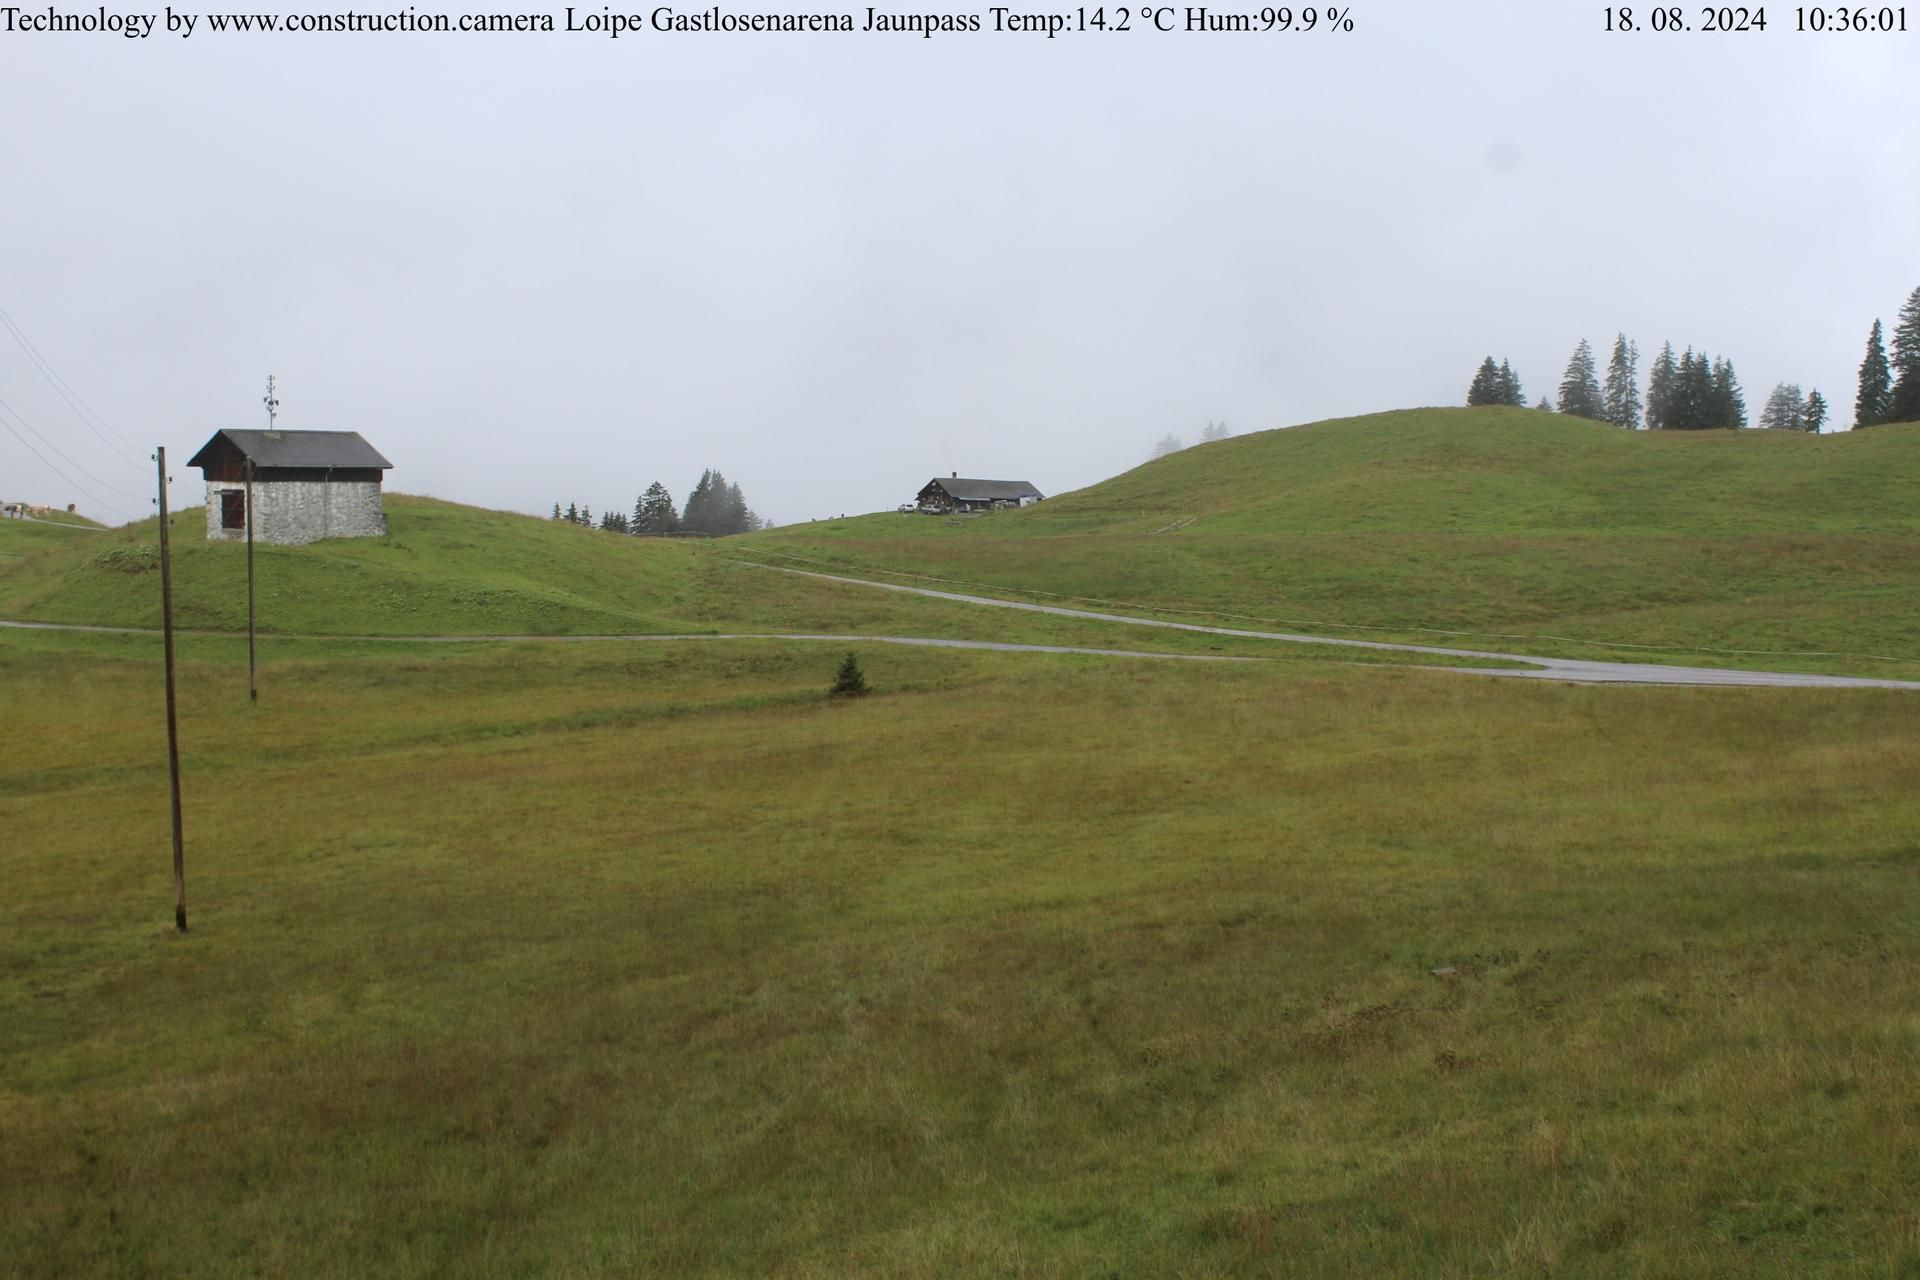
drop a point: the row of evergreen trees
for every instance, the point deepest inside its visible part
(1684, 392)
(1789, 410)
(716, 507)
(1690, 392)
(1890, 389)
(1693, 393)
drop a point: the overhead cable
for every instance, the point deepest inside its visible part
(81, 409)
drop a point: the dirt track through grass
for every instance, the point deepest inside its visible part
(1572, 670)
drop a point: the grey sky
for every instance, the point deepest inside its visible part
(558, 267)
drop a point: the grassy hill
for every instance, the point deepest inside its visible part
(1486, 471)
(1490, 527)
(444, 569)
(1498, 522)
(19, 538)
(447, 569)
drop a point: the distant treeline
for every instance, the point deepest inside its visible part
(1697, 391)
(715, 508)
(1171, 443)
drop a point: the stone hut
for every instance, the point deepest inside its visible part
(307, 485)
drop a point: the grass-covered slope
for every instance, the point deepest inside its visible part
(444, 568)
(1494, 521)
(447, 569)
(1507, 471)
(19, 538)
(1495, 528)
(1482, 471)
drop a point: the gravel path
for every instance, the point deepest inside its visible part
(1567, 669)
(1573, 670)
(927, 642)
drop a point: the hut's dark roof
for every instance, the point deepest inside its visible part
(297, 449)
(965, 490)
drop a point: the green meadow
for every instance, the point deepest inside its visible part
(617, 959)
(646, 956)
(452, 570)
(22, 538)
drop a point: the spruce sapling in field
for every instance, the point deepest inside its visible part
(849, 681)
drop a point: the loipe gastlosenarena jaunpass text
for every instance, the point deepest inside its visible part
(665, 18)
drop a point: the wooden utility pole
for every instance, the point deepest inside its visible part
(272, 401)
(253, 680)
(173, 723)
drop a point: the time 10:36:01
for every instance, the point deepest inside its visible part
(1724, 18)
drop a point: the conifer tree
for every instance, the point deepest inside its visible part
(1545, 405)
(1485, 387)
(1696, 410)
(1507, 387)
(696, 513)
(655, 513)
(1623, 385)
(556, 511)
(734, 516)
(1729, 401)
(1814, 415)
(1904, 403)
(1692, 392)
(849, 681)
(1662, 385)
(1785, 409)
(717, 507)
(1580, 386)
(573, 514)
(1870, 406)
(1699, 402)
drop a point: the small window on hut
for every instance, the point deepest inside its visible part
(233, 509)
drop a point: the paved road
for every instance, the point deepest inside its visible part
(1567, 669)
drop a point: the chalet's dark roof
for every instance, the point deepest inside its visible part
(964, 490)
(297, 449)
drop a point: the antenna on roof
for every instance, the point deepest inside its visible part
(272, 402)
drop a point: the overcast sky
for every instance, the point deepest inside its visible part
(532, 268)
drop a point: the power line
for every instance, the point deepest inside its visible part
(17, 417)
(80, 408)
(57, 471)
